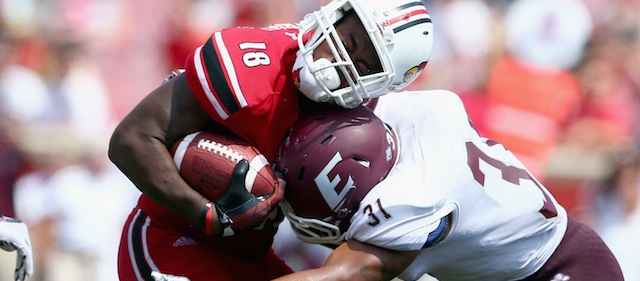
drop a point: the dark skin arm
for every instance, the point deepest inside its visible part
(355, 260)
(139, 147)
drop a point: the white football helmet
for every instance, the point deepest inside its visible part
(400, 31)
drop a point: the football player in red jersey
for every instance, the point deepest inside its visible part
(254, 83)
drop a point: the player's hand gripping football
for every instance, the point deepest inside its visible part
(238, 208)
(14, 236)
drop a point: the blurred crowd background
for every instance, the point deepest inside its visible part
(556, 81)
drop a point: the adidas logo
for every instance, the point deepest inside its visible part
(185, 241)
(561, 277)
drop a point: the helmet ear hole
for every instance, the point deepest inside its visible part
(301, 174)
(327, 140)
(363, 162)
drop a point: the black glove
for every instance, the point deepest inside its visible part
(238, 208)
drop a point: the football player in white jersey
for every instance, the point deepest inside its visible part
(418, 191)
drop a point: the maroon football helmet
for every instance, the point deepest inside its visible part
(330, 160)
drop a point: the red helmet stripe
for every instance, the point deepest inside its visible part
(406, 16)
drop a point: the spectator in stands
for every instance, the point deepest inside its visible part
(615, 212)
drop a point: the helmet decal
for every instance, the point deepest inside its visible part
(295, 75)
(333, 195)
(409, 75)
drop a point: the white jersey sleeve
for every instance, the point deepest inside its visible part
(505, 223)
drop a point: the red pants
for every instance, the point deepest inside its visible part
(145, 247)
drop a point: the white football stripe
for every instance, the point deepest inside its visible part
(182, 148)
(256, 164)
(145, 246)
(132, 256)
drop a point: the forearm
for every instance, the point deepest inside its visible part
(336, 273)
(354, 260)
(318, 274)
(147, 163)
(139, 148)
(342, 267)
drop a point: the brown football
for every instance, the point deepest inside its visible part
(206, 160)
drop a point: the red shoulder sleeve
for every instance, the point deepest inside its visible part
(237, 66)
(242, 78)
(208, 79)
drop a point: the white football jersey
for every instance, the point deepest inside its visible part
(505, 223)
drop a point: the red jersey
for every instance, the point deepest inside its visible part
(242, 78)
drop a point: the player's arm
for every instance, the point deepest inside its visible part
(139, 146)
(354, 260)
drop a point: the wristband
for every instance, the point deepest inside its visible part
(207, 214)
